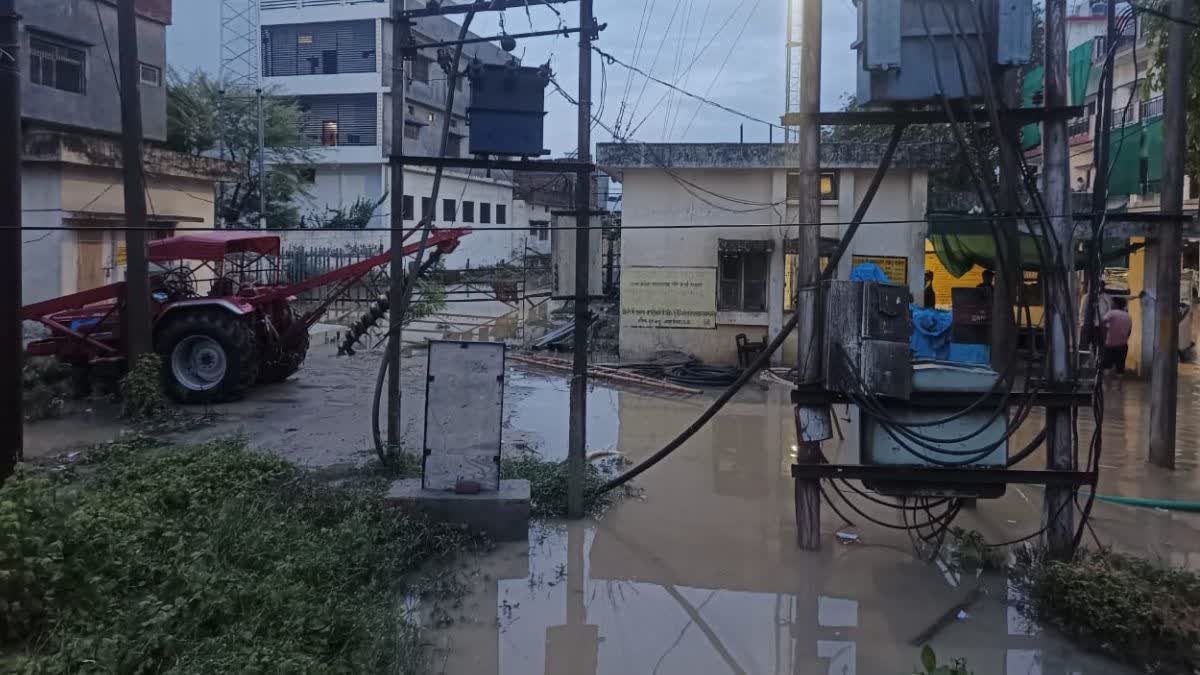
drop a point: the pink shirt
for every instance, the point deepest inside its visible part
(1117, 327)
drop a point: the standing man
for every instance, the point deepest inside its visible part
(930, 294)
(1117, 328)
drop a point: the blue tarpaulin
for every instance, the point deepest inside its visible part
(931, 333)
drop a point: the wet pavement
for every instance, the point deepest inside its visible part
(700, 572)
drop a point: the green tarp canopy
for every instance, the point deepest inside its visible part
(1152, 149)
(960, 245)
(1079, 73)
(1125, 145)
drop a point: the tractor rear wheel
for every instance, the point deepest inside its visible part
(208, 356)
(284, 362)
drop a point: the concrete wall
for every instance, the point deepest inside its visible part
(99, 108)
(50, 267)
(652, 197)
(523, 213)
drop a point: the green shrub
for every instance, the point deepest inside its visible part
(1130, 609)
(206, 559)
(142, 390)
(46, 387)
(548, 486)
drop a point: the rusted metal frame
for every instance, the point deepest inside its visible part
(56, 326)
(926, 474)
(74, 301)
(941, 399)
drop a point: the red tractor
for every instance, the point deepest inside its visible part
(223, 318)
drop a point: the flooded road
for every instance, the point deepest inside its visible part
(701, 573)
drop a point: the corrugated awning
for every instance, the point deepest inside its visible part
(960, 246)
(828, 246)
(103, 218)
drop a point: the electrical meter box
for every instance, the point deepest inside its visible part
(508, 109)
(972, 433)
(912, 50)
(464, 414)
(868, 327)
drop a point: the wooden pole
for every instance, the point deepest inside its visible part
(812, 423)
(583, 188)
(11, 332)
(136, 314)
(1164, 371)
(1058, 513)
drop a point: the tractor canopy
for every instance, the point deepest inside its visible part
(212, 246)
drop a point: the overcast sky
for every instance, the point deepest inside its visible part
(731, 51)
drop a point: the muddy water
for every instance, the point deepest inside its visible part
(701, 574)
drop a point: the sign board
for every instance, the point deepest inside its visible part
(121, 256)
(669, 297)
(464, 411)
(896, 267)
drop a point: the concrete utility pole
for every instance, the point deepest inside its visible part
(11, 414)
(1009, 278)
(1058, 512)
(812, 422)
(136, 314)
(1164, 373)
(396, 290)
(583, 216)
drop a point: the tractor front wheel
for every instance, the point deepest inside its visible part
(208, 356)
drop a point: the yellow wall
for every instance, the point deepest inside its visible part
(1137, 268)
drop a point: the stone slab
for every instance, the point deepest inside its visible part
(502, 515)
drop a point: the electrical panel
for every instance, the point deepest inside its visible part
(918, 50)
(867, 331)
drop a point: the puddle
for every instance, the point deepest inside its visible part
(538, 408)
(701, 573)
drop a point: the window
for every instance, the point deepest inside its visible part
(151, 76)
(327, 48)
(829, 185)
(485, 212)
(742, 279)
(407, 208)
(454, 146)
(468, 212)
(501, 214)
(58, 65)
(420, 69)
(449, 211)
(412, 131)
(329, 133)
(539, 229)
(426, 208)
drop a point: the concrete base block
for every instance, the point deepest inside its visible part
(502, 515)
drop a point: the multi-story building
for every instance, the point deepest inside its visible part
(1135, 169)
(335, 58)
(71, 169)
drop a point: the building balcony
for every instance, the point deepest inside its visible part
(1152, 109)
(347, 154)
(322, 85)
(312, 11)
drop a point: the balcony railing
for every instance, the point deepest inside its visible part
(299, 4)
(1152, 108)
(1080, 126)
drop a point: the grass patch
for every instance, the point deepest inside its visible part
(206, 559)
(1130, 609)
(548, 486)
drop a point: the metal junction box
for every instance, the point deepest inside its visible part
(507, 111)
(867, 331)
(912, 50)
(464, 413)
(878, 446)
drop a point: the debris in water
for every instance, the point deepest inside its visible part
(847, 537)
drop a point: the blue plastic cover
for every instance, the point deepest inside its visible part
(869, 272)
(931, 333)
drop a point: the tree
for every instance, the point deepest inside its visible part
(200, 121)
(1156, 40)
(357, 216)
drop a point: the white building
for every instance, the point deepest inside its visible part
(695, 289)
(334, 57)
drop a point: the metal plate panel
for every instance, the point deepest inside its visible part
(878, 447)
(464, 411)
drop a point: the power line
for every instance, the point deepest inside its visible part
(1163, 15)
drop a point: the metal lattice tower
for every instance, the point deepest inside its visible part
(240, 43)
(794, 35)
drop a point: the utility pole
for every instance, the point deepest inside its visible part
(812, 422)
(1058, 512)
(11, 414)
(262, 162)
(1009, 279)
(136, 314)
(583, 209)
(396, 290)
(1164, 373)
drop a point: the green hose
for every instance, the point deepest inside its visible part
(1168, 504)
